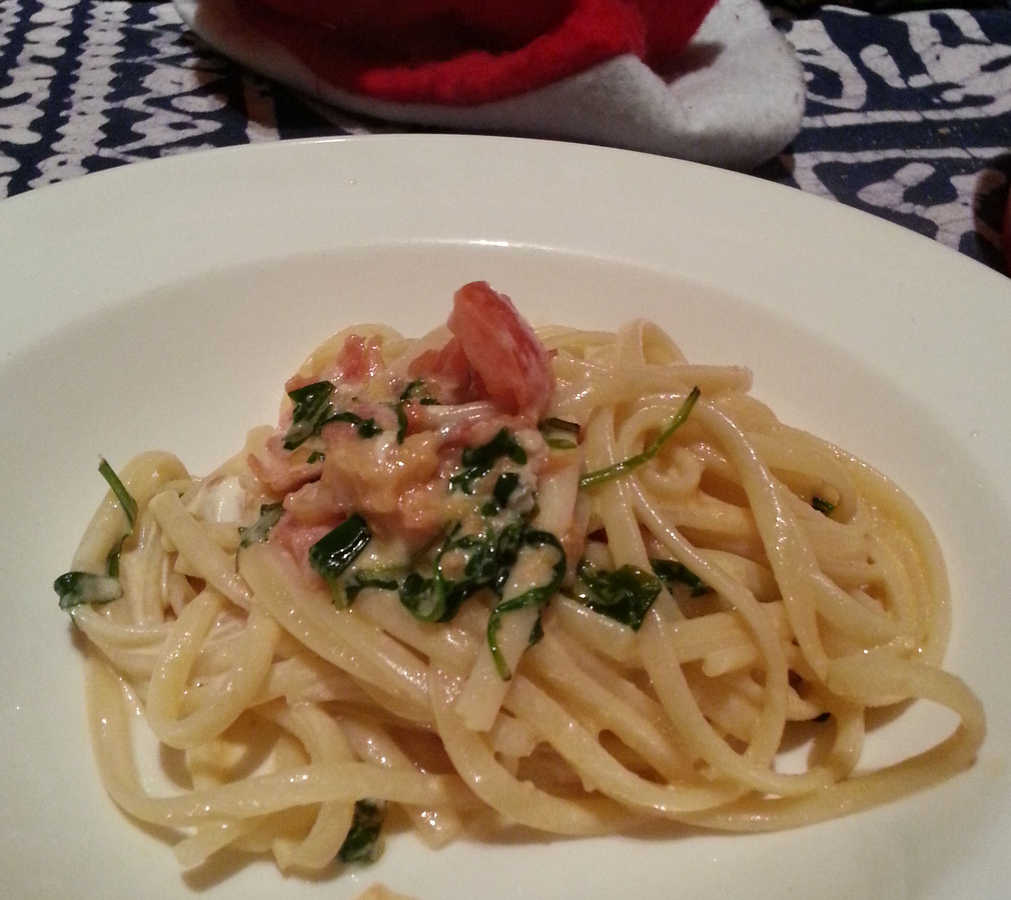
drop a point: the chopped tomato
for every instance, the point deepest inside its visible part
(449, 369)
(275, 469)
(297, 537)
(503, 350)
(358, 359)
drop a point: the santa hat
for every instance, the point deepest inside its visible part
(715, 84)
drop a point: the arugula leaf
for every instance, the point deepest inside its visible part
(78, 588)
(437, 599)
(366, 428)
(625, 595)
(129, 506)
(505, 484)
(112, 560)
(334, 552)
(536, 633)
(312, 406)
(412, 391)
(425, 598)
(554, 424)
(619, 469)
(369, 578)
(823, 506)
(536, 596)
(478, 461)
(414, 388)
(362, 841)
(671, 571)
(256, 533)
(552, 428)
(398, 408)
(122, 494)
(489, 559)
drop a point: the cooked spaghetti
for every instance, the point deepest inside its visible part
(565, 580)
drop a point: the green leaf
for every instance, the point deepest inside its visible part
(270, 514)
(78, 588)
(112, 560)
(437, 599)
(671, 571)
(414, 391)
(129, 506)
(620, 469)
(478, 461)
(312, 406)
(625, 594)
(505, 484)
(369, 578)
(823, 506)
(122, 494)
(398, 408)
(554, 424)
(334, 552)
(366, 428)
(560, 443)
(534, 597)
(362, 841)
(560, 434)
(414, 388)
(315, 457)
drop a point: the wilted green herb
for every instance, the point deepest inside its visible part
(78, 588)
(362, 841)
(398, 408)
(478, 461)
(535, 597)
(671, 571)
(312, 406)
(366, 428)
(823, 506)
(334, 552)
(619, 469)
(412, 390)
(256, 533)
(369, 578)
(505, 484)
(625, 594)
(122, 494)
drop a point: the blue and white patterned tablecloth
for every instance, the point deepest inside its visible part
(908, 116)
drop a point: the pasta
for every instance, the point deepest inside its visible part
(488, 578)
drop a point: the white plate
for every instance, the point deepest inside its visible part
(164, 304)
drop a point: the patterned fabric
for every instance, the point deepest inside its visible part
(908, 116)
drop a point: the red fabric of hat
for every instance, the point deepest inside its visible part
(464, 52)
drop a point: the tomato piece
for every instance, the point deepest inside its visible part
(449, 371)
(503, 350)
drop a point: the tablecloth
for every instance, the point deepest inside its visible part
(908, 116)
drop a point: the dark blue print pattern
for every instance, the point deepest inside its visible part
(908, 116)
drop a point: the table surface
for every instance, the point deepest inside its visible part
(908, 116)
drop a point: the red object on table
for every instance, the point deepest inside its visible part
(469, 51)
